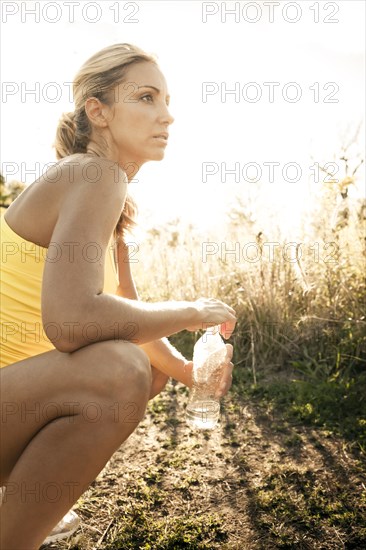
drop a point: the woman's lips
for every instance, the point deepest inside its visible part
(161, 139)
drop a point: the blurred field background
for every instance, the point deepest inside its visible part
(301, 326)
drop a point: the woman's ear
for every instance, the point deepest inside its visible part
(96, 111)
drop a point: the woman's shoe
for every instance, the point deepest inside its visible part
(65, 528)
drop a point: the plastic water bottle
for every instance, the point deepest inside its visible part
(203, 408)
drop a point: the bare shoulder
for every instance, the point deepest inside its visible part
(97, 192)
(75, 185)
(89, 170)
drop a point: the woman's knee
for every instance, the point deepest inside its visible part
(118, 369)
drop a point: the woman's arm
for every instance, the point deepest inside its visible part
(75, 311)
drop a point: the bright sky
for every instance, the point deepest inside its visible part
(311, 50)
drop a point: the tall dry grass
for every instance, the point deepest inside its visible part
(299, 305)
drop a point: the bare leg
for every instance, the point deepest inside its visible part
(159, 381)
(50, 458)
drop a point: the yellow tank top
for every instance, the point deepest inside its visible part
(21, 272)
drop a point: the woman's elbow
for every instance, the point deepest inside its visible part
(61, 341)
(65, 346)
(62, 334)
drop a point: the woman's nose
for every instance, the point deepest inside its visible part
(168, 118)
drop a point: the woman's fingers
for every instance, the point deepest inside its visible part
(225, 382)
(229, 352)
(227, 369)
(227, 328)
(215, 312)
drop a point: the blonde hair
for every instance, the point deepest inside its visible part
(98, 77)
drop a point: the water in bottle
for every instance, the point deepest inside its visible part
(203, 409)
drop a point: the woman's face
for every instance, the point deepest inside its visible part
(139, 116)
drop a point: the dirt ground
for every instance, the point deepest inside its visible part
(254, 482)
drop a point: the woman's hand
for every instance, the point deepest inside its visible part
(226, 378)
(214, 312)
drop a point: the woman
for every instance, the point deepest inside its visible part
(78, 353)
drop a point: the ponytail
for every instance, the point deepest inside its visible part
(72, 134)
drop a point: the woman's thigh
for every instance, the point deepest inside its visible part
(39, 389)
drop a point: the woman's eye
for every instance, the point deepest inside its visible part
(147, 96)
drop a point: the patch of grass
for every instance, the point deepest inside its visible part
(142, 492)
(294, 506)
(161, 411)
(185, 483)
(293, 441)
(159, 406)
(138, 529)
(338, 406)
(175, 462)
(153, 476)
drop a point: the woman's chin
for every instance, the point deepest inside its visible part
(158, 155)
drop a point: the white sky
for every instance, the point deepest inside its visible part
(191, 53)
